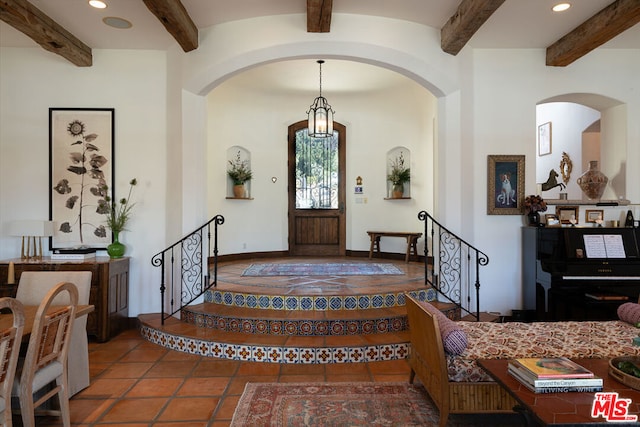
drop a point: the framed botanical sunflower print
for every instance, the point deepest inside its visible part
(81, 173)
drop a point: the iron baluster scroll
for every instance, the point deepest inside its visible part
(187, 277)
(456, 269)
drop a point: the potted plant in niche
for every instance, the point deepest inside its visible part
(398, 175)
(239, 172)
(118, 214)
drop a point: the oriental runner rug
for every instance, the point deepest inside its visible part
(325, 269)
(349, 404)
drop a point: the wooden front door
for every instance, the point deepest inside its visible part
(317, 192)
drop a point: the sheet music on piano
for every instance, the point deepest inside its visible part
(604, 246)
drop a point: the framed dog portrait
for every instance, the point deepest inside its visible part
(505, 179)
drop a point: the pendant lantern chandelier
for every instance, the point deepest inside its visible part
(320, 114)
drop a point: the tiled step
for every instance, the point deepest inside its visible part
(297, 319)
(296, 322)
(185, 337)
(383, 298)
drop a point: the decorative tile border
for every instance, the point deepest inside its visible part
(295, 327)
(315, 303)
(276, 354)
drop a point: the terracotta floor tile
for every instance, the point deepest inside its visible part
(127, 370)
(171, 369)
(189, 409)
(390, 367)
(392, 378)
(301, 378)
(203, 386)
(88, 410)
(135, 410)
(299, 369)
(237, 384)
(144, 355)
(105, 388)
(346, 378)
(215, 368)
(346, 368)
(182, 424)
(258, 368)
(227, 407)
(155, 387)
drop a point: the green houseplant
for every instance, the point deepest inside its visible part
(118, 214)
(398, 175)
(239, 172)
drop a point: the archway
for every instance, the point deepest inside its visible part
(579, 120)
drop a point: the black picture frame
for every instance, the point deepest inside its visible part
(81, 166)
(505, 184)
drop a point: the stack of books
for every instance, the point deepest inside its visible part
(73, 254)
(554, 375)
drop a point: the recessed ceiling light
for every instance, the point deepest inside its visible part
(98, 4)
(116, 22)
(561, 7)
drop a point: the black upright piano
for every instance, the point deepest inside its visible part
(591, 271)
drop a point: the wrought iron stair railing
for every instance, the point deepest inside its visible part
(185, 267)
(455, 273)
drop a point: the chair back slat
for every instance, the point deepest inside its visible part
(48, 345)
(10, 339)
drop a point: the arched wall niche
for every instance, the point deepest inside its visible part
(584, 126)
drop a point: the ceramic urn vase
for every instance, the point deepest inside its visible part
(593, 182)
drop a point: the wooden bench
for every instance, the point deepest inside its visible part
(412, 241)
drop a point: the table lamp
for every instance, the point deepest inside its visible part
(29, 230)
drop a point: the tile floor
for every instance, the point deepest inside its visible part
(135, 383)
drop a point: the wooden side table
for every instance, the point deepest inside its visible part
(412, 241)
(109, 289)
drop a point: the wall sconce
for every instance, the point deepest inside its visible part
(29, 230)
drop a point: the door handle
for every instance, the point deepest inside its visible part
(341, 207)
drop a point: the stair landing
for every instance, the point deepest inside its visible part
(228, 326)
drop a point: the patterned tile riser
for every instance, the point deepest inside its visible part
(314, 303)
(296, 327)
(300, 355)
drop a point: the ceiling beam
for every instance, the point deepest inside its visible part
(595, 31)
(319, 16)
(31, 21)
(463, 24)
(176, 20)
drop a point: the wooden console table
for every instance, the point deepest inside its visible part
(109, 289)
(412, 241)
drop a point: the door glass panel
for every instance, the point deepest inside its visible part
(316, 171)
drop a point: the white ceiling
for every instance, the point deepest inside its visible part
(516, 24)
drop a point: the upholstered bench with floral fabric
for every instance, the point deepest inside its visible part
(458, 385)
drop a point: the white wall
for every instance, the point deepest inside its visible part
(486, 105)
(134, 84)
(376, 121)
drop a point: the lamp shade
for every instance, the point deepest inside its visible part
(36, 228)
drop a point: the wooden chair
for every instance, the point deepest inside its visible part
(10, 340)
(46, 359)
(32, 288)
